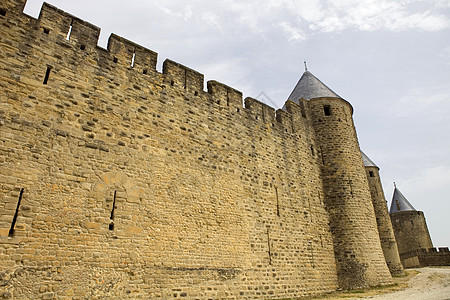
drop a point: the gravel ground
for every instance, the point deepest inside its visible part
(430, 284)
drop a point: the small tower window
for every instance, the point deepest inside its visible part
(47, 75)
(371, 174)
(327, 110)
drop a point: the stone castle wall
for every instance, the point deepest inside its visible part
(385, 230)
(411, 231)
(134, 183)
(426, 257)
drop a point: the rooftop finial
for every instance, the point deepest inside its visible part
(306, 67)
(395, 186)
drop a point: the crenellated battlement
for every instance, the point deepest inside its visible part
(183, 77)
(131, 54)
(260, 110)
(68, 30)
(68, 27)
(425, 257)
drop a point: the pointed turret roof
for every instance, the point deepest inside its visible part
(309, 87)
(399, 203)
(367, 161)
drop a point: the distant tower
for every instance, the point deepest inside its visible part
(359, 257)
(385, 230)
(410, 227)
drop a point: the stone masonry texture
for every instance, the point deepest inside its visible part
(387, 237)
(118, 181)
(411, 231)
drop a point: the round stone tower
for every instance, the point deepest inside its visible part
(410, 226)
(359, 258)
(387, 237)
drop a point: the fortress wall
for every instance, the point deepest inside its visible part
(387, 238)
(141, 184)
(425, 257)
(411, 231)
(359, 258)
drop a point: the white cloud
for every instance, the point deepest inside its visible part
(370, 15)
(304, 17)
(230, 71)
(419, 102)
(211, 19)
(188, 13)
(426, 180)
(293, 33)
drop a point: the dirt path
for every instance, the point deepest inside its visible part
(420, 284)
(429, 284)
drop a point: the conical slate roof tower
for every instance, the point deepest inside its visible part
(400, 203)
(346, 190)
(385, 230)
(410, 227)
(310, 87)
(367, 161)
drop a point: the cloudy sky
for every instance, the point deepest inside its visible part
(390, 59)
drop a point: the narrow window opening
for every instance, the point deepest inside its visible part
(218, 102)
(237, 109)
(412, 223)
(312, 151)
(70, 31)
(13, 223)
(111, 224)
(115, 60)
(133, 58)
(371, 174)
(269, 250)
(47, 75)
(172, 83)
(144, 72)
(351, 187)
(196, 93)
(2, 12)
(327, 110)
(46, 30)
(83, 47)
(185, 79)
(256, 118)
